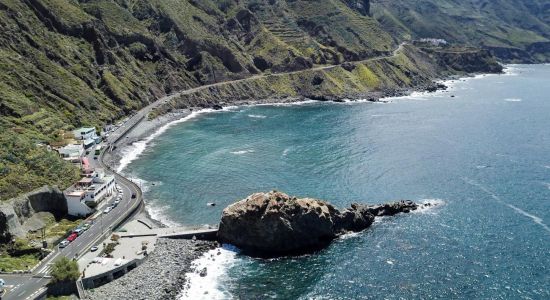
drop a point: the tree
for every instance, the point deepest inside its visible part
(65, 270)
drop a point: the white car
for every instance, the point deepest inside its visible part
(64, 244)
(108, 209)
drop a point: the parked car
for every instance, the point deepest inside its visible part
(63, 244)
(108, 210)
(86, 226)
(133, 195)
(72, 237)
(93, 249)
(78, 231)
(115, 204)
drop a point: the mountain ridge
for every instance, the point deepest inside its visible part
(68, 63)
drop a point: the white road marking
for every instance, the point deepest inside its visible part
(46, 269)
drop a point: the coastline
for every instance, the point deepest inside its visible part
(139, 138)
(144, 133)
(161, 276)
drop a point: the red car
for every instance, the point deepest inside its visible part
(72, 237)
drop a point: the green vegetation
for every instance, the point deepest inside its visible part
(59, 298)
(69, 63)
(18, 255)
(65, 269)
(24, 253)
(55, 229)
(23, 262)
(510, 28)
(25, 166)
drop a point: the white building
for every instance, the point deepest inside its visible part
(434, 42)
(71, 152)
(87, 193)
(85, 133)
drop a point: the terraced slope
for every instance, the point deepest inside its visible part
(514, 30)
(69, 63)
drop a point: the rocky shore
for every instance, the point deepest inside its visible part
(161, 276)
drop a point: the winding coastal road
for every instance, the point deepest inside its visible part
(29, 286)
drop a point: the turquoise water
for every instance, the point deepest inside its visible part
(484, 155)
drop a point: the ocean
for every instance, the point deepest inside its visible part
(481, 150)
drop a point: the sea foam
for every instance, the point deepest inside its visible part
(133, 151)
(257, 116)
(217, 262)
(241, 152)
(435, 204)
(160, 214)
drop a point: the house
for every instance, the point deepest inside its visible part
(434, 42)
(85, 133)
(71, 152)
(88, 192)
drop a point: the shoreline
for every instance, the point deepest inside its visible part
(163, 274)
(139, 138)
(191, 280)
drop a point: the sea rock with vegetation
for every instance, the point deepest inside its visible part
(272, 224)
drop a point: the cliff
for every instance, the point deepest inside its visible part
(17, 215)
(68, 63)
(406, 69)
(511, 29)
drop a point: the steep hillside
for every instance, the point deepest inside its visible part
(68, 63)
(514, 30)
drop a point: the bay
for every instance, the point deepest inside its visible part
(481, 150)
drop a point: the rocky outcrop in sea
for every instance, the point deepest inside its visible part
(273, 224)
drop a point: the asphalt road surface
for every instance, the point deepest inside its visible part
(25, 286)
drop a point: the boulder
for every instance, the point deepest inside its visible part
(388, 209)
(273, 224)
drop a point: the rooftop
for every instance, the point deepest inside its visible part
(84, 129)
(88, 184)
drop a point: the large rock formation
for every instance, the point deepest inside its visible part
(18, 212)
(276, 224)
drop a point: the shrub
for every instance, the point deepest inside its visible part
(65, 270)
